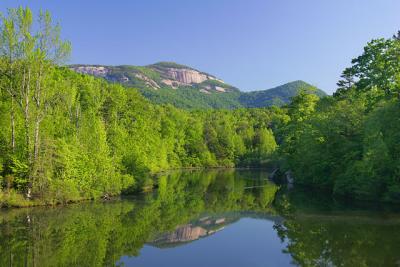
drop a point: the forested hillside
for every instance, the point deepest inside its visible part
(170, 83)
(67, 136)
(188, 88)
(278, 96)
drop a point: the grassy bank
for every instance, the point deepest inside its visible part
(13, 199)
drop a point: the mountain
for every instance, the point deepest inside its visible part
(278, 95)
(188, 88)
(157, 76)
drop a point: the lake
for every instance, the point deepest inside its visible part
(205, 218)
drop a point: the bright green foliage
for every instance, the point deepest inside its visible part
(378, 66)
(66, 136)
(96, 136)
(190, 98)
(349, 143)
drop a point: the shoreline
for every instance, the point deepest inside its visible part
(14, 200)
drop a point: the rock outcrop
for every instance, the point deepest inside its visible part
(188, 76)
(99, 71)
(156, 76)
(149, 82)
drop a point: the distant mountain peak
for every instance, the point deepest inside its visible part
(186, 87)
(279, 95)
(170, 64)
(156, 76)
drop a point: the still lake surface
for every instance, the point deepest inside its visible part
(205, 218)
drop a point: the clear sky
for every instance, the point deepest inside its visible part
(252, 44)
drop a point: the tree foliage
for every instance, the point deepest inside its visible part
(349, 143)
(66, 136)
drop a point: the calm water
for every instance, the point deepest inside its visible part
(213, 218)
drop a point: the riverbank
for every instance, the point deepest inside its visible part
(13, 199)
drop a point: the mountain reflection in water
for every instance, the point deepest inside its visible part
(204, 218)
(203, 227)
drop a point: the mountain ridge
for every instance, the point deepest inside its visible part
(189, 88)
(278, 95)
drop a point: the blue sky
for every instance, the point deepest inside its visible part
(252, 44)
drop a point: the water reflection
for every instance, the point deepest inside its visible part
(322, 232)
(213, 218)
(203, 227)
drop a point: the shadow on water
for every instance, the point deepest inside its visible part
(204, 208)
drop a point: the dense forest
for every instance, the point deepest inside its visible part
(349, 144)
(187, 98)
(67, 136)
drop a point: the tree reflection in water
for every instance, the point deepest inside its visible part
(192, 205)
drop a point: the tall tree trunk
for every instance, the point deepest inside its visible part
(38, 119)
(12, 95)
(12, 125)
(25, 99)
(36, 139)
(77, 115)
(26, 94)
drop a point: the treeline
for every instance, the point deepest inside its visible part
(349, 144)
(66, 136)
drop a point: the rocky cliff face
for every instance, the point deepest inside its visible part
(187, 76)
(99, 71)
(156, 76)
